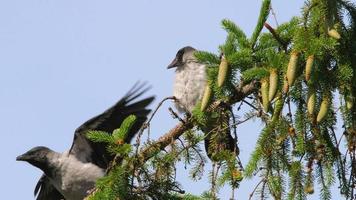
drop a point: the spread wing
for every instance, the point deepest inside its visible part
(111, 119)
(44, 190)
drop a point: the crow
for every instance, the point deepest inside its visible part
(72, 174)
(189, 85)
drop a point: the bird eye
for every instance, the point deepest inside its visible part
(180, 54)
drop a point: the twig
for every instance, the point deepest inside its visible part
(213, 181)
(276, 36)
(235, 132)
(290, 111)
(242, 91)
(254, 190)
(263, 189)
(216, 167)
(248, 103)
(199, 154)
(175, 115)
(184, 148)
(232, 193)
(159, 105)
(238, 108)
(339, 141)
(274, 15)
(146, 124)
(245, 120)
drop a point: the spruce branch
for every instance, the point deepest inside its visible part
(265, 8)
(240, 93)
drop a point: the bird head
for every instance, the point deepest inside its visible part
(183, 56)
(37, 156)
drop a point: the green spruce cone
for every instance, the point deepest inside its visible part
(334, 34)
(309, 67)
(273, 84)
(223, 69)
(264, 93)
(324, 106)
(206, 98)
(309, 189)
(311, 100)
(349, 99)
(292, 68)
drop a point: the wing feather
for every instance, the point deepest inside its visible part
(44, 190)
(111, 119)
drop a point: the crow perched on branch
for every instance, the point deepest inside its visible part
(189, 85)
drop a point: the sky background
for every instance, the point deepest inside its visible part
(63, 62)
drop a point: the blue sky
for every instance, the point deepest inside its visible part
(62, 62)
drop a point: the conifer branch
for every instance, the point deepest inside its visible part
(241, 92)
(265, 8)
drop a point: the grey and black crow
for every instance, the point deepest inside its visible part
(189, 85)
(70, 175)
(190, 79)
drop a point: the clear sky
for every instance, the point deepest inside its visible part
(64, 61)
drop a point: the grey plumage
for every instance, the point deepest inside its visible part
(189, 85)
(70, 175)
(190, 79)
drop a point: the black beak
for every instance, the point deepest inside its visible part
(173, 64)
(21, 158)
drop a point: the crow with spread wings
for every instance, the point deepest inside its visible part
(70, 175)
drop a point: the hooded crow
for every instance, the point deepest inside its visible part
(189, 85)
(72, 174)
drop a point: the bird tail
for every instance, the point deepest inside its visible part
(218, 138)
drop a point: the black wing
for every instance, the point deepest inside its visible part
(111, 119)
(44, 190)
